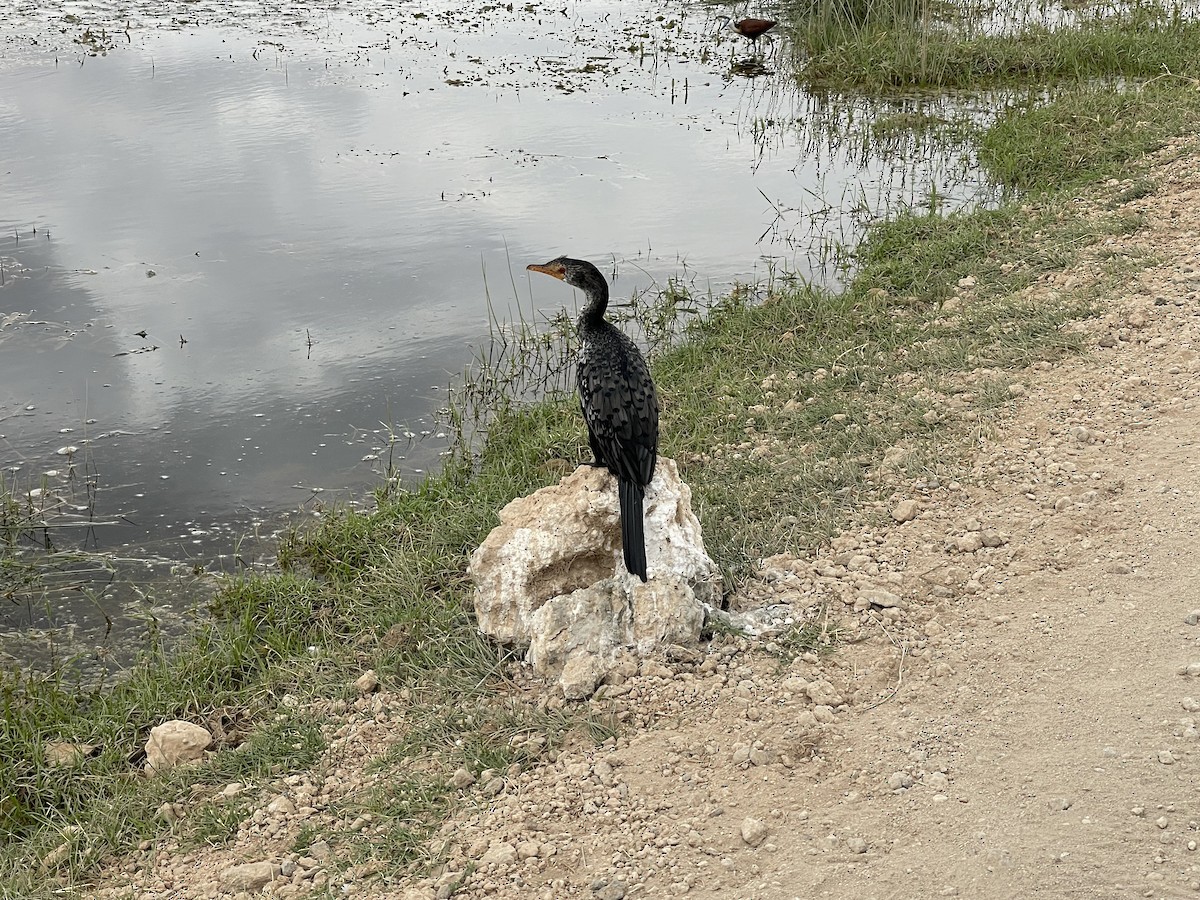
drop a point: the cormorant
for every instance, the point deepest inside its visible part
(620, 405)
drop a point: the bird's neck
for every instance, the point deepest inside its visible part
(592, 314)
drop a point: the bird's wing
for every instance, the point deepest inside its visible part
(620, 406)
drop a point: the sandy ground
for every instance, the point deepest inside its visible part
(1009, 714)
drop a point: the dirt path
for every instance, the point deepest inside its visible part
(1009, 714)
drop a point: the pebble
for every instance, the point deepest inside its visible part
(499, 855)
(462, 778)
(251, 876)
(899, 781)
(1166, 757)
(856, 845)
(754, 831)
(367, 682)
(905, 511)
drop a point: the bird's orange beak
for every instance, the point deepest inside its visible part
(554, 271)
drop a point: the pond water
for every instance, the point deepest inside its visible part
(245, 250)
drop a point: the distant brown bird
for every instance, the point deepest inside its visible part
(752, 29)
(619, 402)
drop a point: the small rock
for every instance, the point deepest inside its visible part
(614, 890)
(937, 780)
(653, 669)
(62, 753)
(754, 831)
(822, 693)
(856, 845)
(175, 743)
(899, 781)
(499, 855)
(1166, 757)
(992, 538)
(528, 850)
(493, 788)
(967, 543)
(882, 598)
(761, 757)
(281, 806)
(905, 511)
(462, 778)
(251, 876)
(1193, 617)
(367, 682)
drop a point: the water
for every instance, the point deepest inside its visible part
(308, 212)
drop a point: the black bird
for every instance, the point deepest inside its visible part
(620, 405)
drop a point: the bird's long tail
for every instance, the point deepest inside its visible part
(633, 537)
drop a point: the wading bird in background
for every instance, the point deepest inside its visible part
(619, 402)
(752, 29)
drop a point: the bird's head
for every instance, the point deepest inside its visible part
(576, 272)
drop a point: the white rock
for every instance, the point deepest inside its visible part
(175, 743)
(822, 693)
(880, 597)
(937, 780)
(967, 543)
(500, 855)
(580, 636)
(754, 831)
(251, 876)
(905, 511)
(567, 536)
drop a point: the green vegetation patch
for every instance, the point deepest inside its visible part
(1087, 133)
(886, 45)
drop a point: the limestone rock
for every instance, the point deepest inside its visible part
(251, 876)
(367, 682)
(175, 743)
(579, 637)
(64, 753)
(550, 576)
(754, 831)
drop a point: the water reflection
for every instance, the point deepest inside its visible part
(262, 252)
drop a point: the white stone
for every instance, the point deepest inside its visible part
(175, 743)
(499, 855)
(549, 578)
(251, 876)
(754, 831)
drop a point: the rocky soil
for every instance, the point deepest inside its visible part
(1011, 710)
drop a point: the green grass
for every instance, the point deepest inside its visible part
(1086, 134)
(779, 411)
(886, 45)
